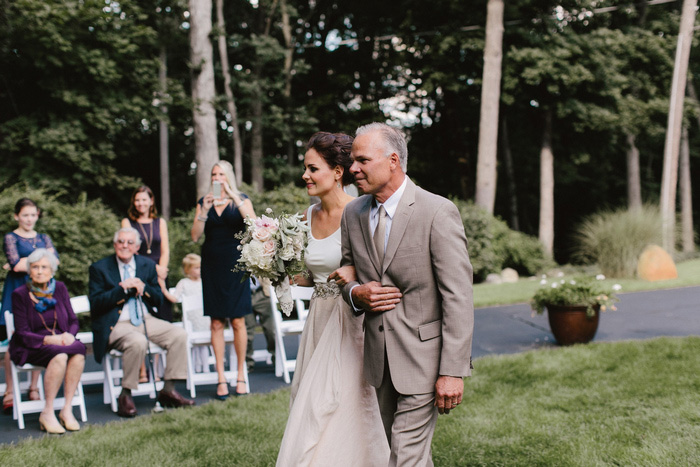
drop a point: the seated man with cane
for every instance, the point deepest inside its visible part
(123, 287)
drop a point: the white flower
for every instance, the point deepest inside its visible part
(560, 274)
(600, 277)
(268, 211)
(562, 281)
(554, 285)
(572, 282)
(617, 287)
(543, 281)
(544, 276)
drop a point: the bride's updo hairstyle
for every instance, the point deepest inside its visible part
(335, 150)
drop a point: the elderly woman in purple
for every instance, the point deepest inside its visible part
(45, 330)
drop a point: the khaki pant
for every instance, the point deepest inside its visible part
(130, 340)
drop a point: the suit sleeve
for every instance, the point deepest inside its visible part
(104, 295)
(453, 275)
(347, 260)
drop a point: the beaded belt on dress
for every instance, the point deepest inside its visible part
(325, 290)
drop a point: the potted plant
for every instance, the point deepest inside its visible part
(573, 306)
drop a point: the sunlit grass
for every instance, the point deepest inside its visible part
(524, 289)
(630, 403)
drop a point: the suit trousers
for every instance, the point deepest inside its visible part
(409, 422)
(131, 341)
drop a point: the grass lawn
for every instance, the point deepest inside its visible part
(627, 403)
(524, 289)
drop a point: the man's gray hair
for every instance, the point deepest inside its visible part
(394, 140)
(40, 253)
(130, 230)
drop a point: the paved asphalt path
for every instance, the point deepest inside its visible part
(498, 330)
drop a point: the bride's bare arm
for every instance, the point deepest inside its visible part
(343, 275)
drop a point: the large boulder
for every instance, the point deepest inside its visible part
(509, 275)
(655, 264)
(493, 278)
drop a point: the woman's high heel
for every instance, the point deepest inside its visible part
(222, 397)
(71, 425)
(51, 428)
(240, 393)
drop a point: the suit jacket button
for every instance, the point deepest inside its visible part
(381, 327)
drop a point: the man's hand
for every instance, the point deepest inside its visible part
(133, 283)
(375, 297)
(448, 393)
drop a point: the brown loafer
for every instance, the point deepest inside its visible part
(174, 399)
(126, 406)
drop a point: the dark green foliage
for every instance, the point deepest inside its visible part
(493, 246)
(82, 231)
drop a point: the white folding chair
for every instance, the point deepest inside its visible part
(199, 339)
(81, 305)
(21, 407)
(290, 327)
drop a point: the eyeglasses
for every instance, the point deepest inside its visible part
(121, 241)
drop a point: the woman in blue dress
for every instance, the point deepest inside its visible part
(19, 244)
(226, 295)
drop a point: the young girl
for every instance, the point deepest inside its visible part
(19, 244)
(192, 285)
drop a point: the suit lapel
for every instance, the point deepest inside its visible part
(367, 232)
(114, 274)
(399, 223)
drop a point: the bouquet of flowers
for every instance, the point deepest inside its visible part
(273, 248)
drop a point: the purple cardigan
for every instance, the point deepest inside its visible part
(29, 329)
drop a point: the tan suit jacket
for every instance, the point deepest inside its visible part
(429, 333)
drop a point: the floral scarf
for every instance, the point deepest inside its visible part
(45, 297)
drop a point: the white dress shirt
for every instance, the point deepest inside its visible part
(125, 315)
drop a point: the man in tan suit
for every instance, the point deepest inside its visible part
(414, 285)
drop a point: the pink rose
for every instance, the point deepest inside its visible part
(262, 234)
(269, 248)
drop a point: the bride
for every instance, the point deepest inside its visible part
(334, 416)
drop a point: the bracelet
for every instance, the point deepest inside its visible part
(241, 204)
(202, 218)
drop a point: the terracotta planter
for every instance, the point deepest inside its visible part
(571, 325)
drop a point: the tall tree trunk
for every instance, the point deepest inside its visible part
(230, 102)
(675, 120)
(203, 92)
(163, 136)
(256, 142)
(256, 147)
(510, 174)
(686, 196)
(546, 233)
(634, 183)
(486, 173)
(287, 92)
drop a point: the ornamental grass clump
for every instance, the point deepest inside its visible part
(614, 239)
(580, 291)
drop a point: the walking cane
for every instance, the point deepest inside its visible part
(158, 408)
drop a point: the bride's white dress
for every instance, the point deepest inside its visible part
(334, 416)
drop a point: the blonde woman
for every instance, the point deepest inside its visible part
(219, 216)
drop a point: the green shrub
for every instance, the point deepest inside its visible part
(493, 246)
(81, 231)
(614, 239)
(519, 251)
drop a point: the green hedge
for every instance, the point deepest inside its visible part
(81, 231)
(494, 246)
